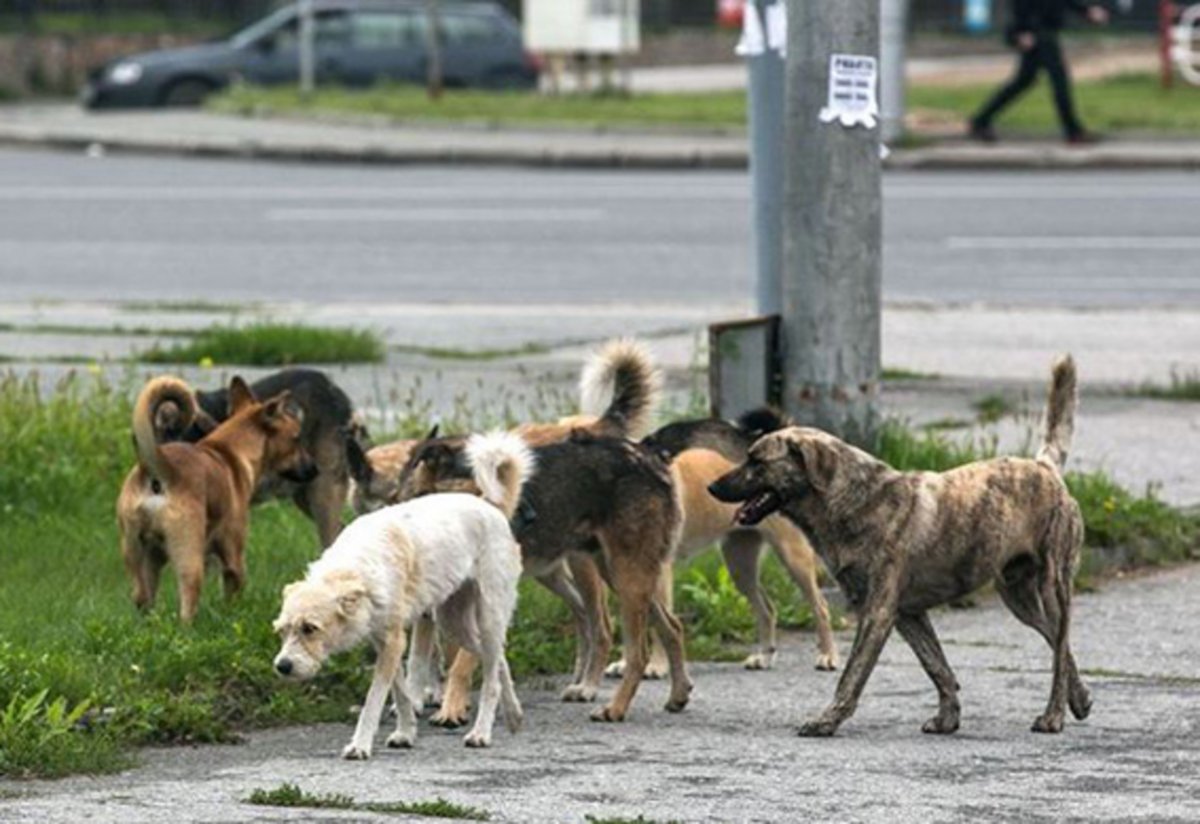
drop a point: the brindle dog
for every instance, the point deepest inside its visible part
(901, 543)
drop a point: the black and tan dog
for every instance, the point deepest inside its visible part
(606, 498)
(185, 503)
(701, 452)
(328, 429)
(901, 543)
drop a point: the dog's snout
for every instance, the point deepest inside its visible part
(284, 666)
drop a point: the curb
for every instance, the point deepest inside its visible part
(546, 153)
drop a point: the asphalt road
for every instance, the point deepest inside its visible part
(732, 756)
(135, 228)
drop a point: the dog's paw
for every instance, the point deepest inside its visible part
(615, 670)
(676, 704)
(607, 714)
(759, 661)
(579, 693)
(1050, 722)
(941, 725)
(656, 670)
(448, 719)
(477, 740)
(827, 661)
(401, 740)
(1081, 704)
(513, 721)
(817, 728)
(353, 752)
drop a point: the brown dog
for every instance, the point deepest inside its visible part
(186, 502)
(901, 543)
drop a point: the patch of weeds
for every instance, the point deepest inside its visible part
(273, 344)
(443, 353)
(891, 373)
(1183, 386)
(906, 449)
(948, 423)
(290, 795)
(44, 737)
(189, 306)
(993, 407)
(96, 331)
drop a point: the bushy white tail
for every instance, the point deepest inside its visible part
(621, 383)
(501, 463)
(1060, 412)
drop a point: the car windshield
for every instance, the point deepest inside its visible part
(256, 31)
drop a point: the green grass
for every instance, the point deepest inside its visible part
(1117, 104)
(1183, 386)
(80, 23)
(290, 795)
(894, 373)
(273, 344)
(445, 353)
(116, 330)
(197, 306)
(1132, 102)
(993, 407)
(704, 110)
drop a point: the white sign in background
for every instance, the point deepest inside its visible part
(853, 91)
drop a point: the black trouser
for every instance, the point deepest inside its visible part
(1045, 54)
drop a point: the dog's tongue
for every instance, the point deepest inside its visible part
(744, 516)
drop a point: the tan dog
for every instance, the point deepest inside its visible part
(901, 543)
(707, 521)
(185, 503)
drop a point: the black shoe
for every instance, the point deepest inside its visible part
(1083, 138)
(984, 134)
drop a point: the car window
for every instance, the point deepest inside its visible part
(470, 30)
(387, 30)
(330, 28)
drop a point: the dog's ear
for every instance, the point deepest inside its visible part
(356, 458)
(240, 395)
(433, 433)
(282, 406)
(349, 600)
(817, 461)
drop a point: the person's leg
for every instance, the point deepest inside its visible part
(1027, 70)
(1051, 57)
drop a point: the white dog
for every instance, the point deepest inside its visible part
(451, 555)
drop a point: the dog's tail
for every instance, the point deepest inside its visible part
(1060, 413)
(762, 421)
(501, 463)
(161, 398)
(623, 375)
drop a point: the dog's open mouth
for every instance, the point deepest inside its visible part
(757, 508)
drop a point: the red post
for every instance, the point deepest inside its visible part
(1166, 21)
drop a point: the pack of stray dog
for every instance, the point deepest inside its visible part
(587, 505)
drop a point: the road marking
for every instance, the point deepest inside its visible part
(436, 215)
(1034, 190)
(1068, 243)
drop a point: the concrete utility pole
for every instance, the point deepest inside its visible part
(893, 36)
(832, 229)
(765, 104)
(435, 78)
(307, 49)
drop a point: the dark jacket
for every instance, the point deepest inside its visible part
(1044, 15)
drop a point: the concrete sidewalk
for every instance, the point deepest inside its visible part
(367, 140)
(733, 754)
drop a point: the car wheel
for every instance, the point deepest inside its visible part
(186, 93)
